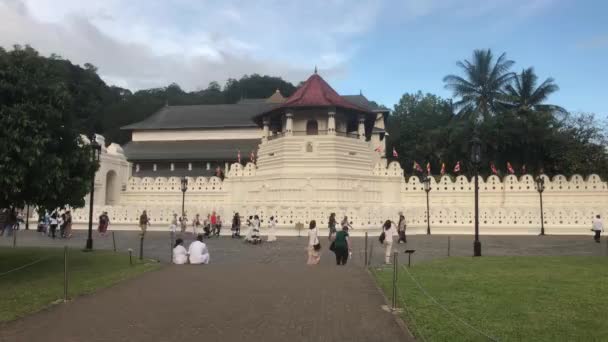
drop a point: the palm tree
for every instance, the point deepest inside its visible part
(482, 86)
(524, 96)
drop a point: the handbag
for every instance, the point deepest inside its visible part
(382, 237)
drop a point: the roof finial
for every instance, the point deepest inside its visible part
(315, 69)
(360, 92)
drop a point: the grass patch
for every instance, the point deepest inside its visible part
(40, 284)
(507, 298)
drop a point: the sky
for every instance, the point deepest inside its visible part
(381, 48)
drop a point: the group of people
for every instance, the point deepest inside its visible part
(196, 254)
(48, 224)
(339, 242)
(208, 227)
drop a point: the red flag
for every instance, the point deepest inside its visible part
(417, 167)
(523, 169)
(442, 169)
(457, 167)
(395, 153)
(238, 156)
(493, 168)
(510, 168)
(378, 149)
(428, 168)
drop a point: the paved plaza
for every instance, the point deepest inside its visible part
(259, 293)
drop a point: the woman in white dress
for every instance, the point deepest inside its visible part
(180, 255)
(313, 247)
(272, 225)
(255, 230)
(389, 231)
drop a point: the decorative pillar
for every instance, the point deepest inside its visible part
(331, 121)
(361, 128)
(289, 124)
(266, 123)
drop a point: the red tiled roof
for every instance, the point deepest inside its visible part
(315, 92)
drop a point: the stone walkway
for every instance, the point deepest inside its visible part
(256, 293)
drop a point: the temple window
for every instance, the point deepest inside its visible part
(312, 127)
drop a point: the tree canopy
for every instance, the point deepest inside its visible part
(44, 108)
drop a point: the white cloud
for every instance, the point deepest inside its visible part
(141, 44)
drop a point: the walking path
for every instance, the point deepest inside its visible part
(256, 293)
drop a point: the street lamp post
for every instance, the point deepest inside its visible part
(476, 160)
(540, 187)
(427, 187)
(184, 189)
(96, 152)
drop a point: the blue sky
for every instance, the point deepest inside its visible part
(384, 47)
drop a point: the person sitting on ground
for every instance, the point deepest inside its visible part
(180, 255)
(198, 251)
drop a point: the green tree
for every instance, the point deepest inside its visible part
(481, 88)
(44, 161)
(524, 96)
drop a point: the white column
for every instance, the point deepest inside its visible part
(361, 128)
(331, 121)
(266, 123)
(289, 124)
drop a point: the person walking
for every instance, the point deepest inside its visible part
(213, 221)
(598, 228)
(345, 223)
(331, 225)
(67, 230)
(236, 226)
(389, 232)
(53, 223)
(196, 223)
(272, 225)
(183, 223)
(314, 246)
(401, 229)
(104, 222)
(342, 247)
(144, 221)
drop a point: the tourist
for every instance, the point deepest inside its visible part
(272, 225)
(345, 223)
(67, 225)
(53, 223)
(196, 223)
(314, 247)
(104, 221)
(342, 246)
(389, 232)
(255, 230)
(218, 226)
(401, 228)
(598, 228)
(236, 226)
(173, 226)
(213, 221)
(207, 226)
(249, 229)
(331, 225)
(198, 251)
(144, 221)
(183, 223)
(43, 223)
(180, 255)
(3, 220)
(62, 220)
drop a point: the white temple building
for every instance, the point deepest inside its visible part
(315, 153)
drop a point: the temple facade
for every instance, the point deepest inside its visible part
(315, 153)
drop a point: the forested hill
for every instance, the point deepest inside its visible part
(104, 109)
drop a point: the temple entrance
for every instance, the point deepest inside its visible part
(111, 188)
(312, 127)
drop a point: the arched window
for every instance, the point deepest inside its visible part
(312, 127)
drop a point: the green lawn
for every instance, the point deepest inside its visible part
(39, 285)
(507, 298)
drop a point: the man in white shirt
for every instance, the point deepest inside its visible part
(598, 228)
(198, 251)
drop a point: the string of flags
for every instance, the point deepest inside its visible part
(416, 167)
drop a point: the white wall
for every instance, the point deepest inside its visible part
(197, 134)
